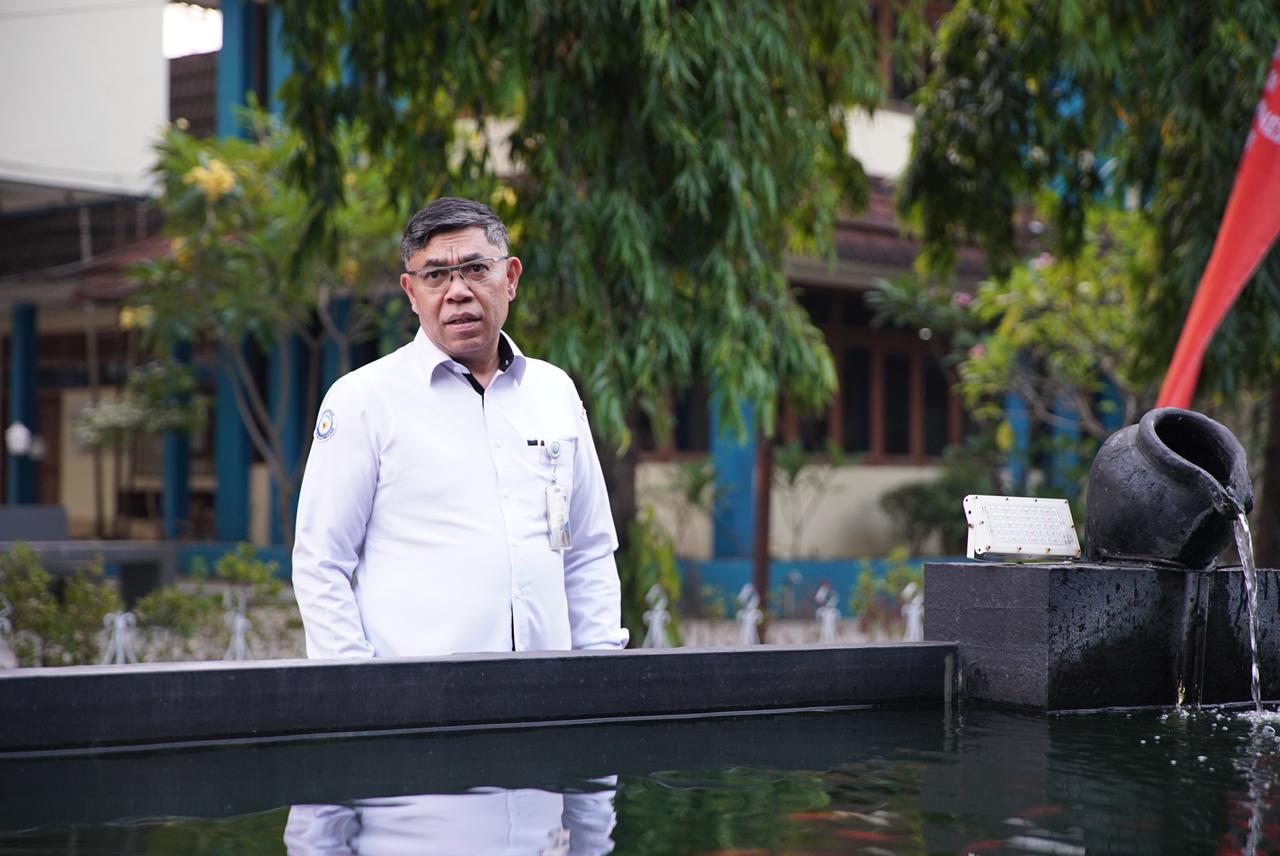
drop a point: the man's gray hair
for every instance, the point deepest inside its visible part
(449, 214)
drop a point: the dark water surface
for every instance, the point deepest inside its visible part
(867, 781)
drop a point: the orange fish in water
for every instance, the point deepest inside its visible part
(865, 835)
(1048, 810)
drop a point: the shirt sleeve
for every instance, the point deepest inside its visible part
(590, 573)
(333, 510)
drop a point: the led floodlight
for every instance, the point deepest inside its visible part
(1020, 528)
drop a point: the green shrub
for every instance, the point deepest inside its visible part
(877, 600)
(188, 621)
(922, 509)
(648, 560)
(55, 621)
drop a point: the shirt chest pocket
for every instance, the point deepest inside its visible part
(555, 459)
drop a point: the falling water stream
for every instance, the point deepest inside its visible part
(1244, 544)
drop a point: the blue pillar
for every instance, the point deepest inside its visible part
(231, 454)
(231, 440)
(286, 372)
(278, 64)
(330, 359)
(1019, 417)
(1110, 407)
(734, 461)
(235, 64)
(175, 500)
(21, 476)
(1066, 444)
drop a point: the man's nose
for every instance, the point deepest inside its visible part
(458, 288)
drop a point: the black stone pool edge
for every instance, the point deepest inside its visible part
(102, 707)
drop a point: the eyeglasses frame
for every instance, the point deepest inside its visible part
(452, 269)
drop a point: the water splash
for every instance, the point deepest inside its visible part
(1244, 545)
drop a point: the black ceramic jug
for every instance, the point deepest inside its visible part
(1166, 490)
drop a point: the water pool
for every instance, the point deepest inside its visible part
(858, 781)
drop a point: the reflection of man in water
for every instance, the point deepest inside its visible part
(479, 822)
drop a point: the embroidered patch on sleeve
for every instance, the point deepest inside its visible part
(324, 425)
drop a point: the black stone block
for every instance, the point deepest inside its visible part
(101, 706)
(1078, 636)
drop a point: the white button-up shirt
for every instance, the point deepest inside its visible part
(423, 516)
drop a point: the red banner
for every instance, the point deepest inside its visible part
(1249, 227)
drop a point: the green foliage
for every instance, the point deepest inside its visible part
(60, 621)
(669, 156)
(242, 568)
(55, 622)
(877, 600)
(734, 811)
(179, 610)
(235, 275)
(695, 485)
(805, 481)
(648, 559)
(188, 621)
(1062, 333)
(1107, 103)
(158, 397)
(922, 509)
(715, 602)
(692, 490)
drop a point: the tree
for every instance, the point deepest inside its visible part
(666, 159)
(1060, 332)
(157, 397)
(1108, 104)
(232, 277)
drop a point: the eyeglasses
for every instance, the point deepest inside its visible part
(475, 272)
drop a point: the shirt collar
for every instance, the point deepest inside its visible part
(511, 360)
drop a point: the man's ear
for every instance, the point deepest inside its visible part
(406, 283)
(514, 269)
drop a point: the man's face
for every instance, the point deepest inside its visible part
(460, 315)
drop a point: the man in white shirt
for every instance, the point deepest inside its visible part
(453, 501)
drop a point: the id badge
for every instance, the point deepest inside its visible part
(558, 518)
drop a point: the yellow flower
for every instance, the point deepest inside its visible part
(136, 317)
(1005, 438)
(350, 270)
(349, 179)
(181, 252)
(503, 196)
(181, 123)
(214, 181)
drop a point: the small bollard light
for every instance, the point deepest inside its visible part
(1020, 528)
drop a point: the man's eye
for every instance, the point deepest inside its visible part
(477, 269)
(434, 275)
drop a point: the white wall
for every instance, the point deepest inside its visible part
(846, 519)
(85, 92)
(689, 527)
(842, 520)
(881, 141)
